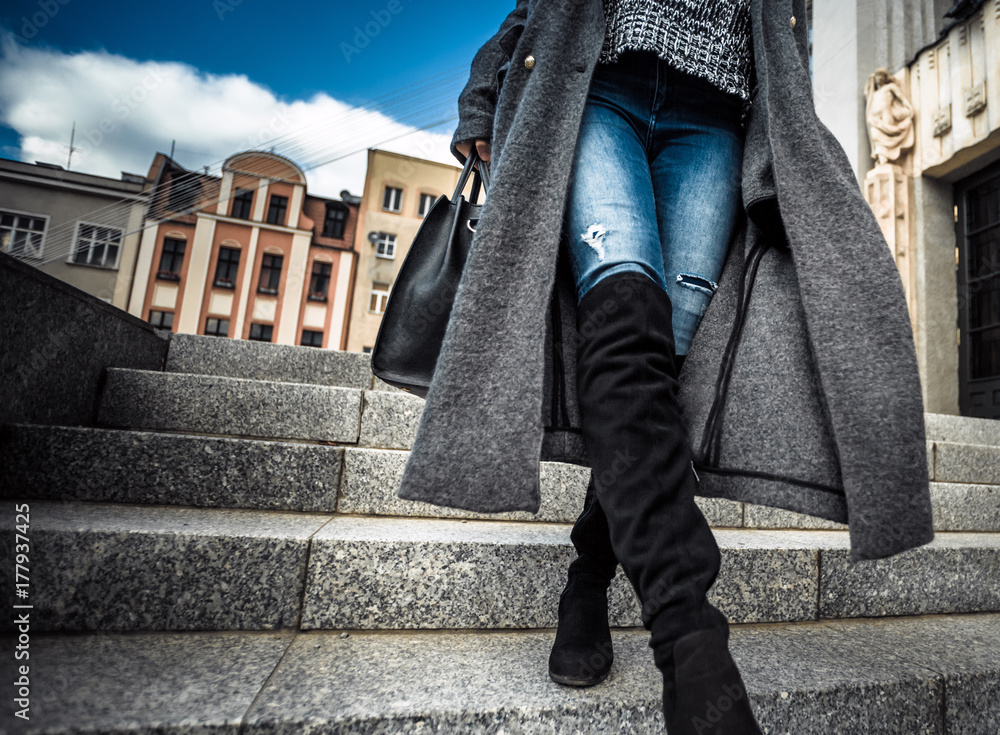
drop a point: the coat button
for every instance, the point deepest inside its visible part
(791, 21)
(529, 61)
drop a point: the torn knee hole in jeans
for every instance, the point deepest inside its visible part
(697, 283)
(594, 236)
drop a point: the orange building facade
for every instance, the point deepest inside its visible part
(248, 255)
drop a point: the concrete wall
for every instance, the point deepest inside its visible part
(57, 340)
(936, 294)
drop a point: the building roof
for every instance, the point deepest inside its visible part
(51, 174)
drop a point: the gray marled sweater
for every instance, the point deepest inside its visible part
(707, 38)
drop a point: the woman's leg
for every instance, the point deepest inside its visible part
(627, 384)
(696, 157)
(696, 164)
(696, 144)
(611, 209)
(611, 219)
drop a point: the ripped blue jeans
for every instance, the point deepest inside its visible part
(655, 184)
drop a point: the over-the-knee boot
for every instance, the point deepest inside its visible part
(582, 653)
(641, 460)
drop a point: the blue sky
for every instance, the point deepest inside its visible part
(84, 57)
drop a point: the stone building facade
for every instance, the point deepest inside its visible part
(924, 134)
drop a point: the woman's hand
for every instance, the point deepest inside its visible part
(482, 146)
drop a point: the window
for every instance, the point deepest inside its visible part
(227, 267)
(379, 297)
(215, 327)
(393, 199)
(385, 245)
(426, 202)
(261, 332)
(162, 319)
(335, 222)
(276, 209)
(270, 274)
(242, 204)
(366, 350)
(320, 281)
(170, 260)
(21, 235)
(97, 246)
(311, 338)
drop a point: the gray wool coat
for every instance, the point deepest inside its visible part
(820, 409)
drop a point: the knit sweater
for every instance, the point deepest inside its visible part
(707, 38)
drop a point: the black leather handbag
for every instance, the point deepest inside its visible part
(419, 306)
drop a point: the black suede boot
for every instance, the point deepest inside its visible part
(582, 653)
(710, 695)
(584, 635)
(641, 461)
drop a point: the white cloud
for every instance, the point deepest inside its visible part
(127, 110)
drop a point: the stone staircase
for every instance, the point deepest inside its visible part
(225, 552)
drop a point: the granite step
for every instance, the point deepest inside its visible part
(126, 567)
(153, 468)
(372, 476)
(141, 467)
(929, 675)
(959, 449)
(124, 466)
(208, 404)
(404, 573)
(237, 358)
(942, 427)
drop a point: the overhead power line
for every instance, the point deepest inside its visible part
(421, 106)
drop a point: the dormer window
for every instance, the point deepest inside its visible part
(242, 204)
(335, 222)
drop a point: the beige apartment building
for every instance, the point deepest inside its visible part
(399, 191)
(248, 255)
(82, 229)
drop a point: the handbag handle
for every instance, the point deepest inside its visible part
(481, 177)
